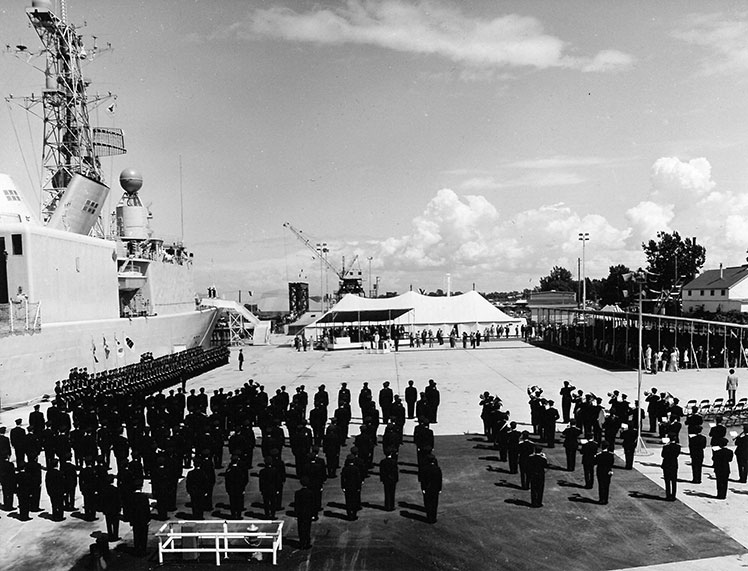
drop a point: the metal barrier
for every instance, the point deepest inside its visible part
(20, 317)
(220, 537)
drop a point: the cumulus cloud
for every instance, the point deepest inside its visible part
(468, 237)
(723, 36)
(672, 178)
(428, 28)
(647, 218)
(452, 231)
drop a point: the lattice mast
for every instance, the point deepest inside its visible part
(70, 144)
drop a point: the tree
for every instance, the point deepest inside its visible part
(673, 261)
(613, 286)
(559, 279)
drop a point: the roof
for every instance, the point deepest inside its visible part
(723, 278)
(470, 307)
(366, 315)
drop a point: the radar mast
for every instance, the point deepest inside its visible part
(70, 145)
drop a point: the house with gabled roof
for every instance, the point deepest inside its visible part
(722, 290)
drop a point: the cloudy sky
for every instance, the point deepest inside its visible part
(476, 139)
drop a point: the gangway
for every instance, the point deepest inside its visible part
(244, 326)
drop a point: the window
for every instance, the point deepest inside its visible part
(17, 241)
(90, 206)
(722, 292)
(701, 292)
(711, 292)
(689, 293)
(11, 194)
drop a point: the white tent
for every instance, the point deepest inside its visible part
(469, 311)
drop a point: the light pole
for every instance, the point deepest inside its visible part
(640, 278)
(583, 237)
(321, 251)
(370, 259)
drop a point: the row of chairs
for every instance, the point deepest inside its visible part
(732, 413)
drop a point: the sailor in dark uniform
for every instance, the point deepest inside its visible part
(721, 458)
(111, 506)
(536, 467)
(431, 487)
(411, 396)
(525, 448)
(269, 485)
(630, 437)
(589, 451)
(350, 482)
(389, 475)
(304, 509)
(741, 454)
(696, 447)
(670, 453)
(571, 443)
(140, 517)
(236, 480)
(55, 490)
(604, 461)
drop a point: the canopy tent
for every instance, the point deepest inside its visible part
(469, 311)
(366, 315)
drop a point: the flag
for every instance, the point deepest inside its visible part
(93, 350)
(129, 343)
(106, 349)
(120, 349)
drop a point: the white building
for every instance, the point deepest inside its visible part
(722, 290)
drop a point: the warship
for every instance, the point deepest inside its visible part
(81, 287)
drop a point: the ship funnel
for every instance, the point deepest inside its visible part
(80, 206)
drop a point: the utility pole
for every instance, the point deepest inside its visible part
(640, 277)
(321, 251)
(370, 259)
(584, 236)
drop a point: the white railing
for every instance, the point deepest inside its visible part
(220, 537)
(20, 317)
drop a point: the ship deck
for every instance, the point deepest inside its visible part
(484, 518)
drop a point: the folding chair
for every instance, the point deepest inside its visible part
(734, 415)
(715, 409)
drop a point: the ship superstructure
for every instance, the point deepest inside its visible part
(71, 296)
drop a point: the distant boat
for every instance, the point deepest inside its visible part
(71, 293)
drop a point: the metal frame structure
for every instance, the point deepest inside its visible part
(255, 536)
(70, 144)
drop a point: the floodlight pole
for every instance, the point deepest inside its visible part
(583, 237)
(641, 448)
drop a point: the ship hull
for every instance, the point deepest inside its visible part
(31, 363)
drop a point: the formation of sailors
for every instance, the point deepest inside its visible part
(162, 437)
(83, 427)
(593, 429)
(148, 375)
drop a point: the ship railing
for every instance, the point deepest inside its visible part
(20, 317)
(220, 537)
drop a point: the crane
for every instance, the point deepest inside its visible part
(350, 280)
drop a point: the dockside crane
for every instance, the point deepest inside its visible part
(350, 279)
